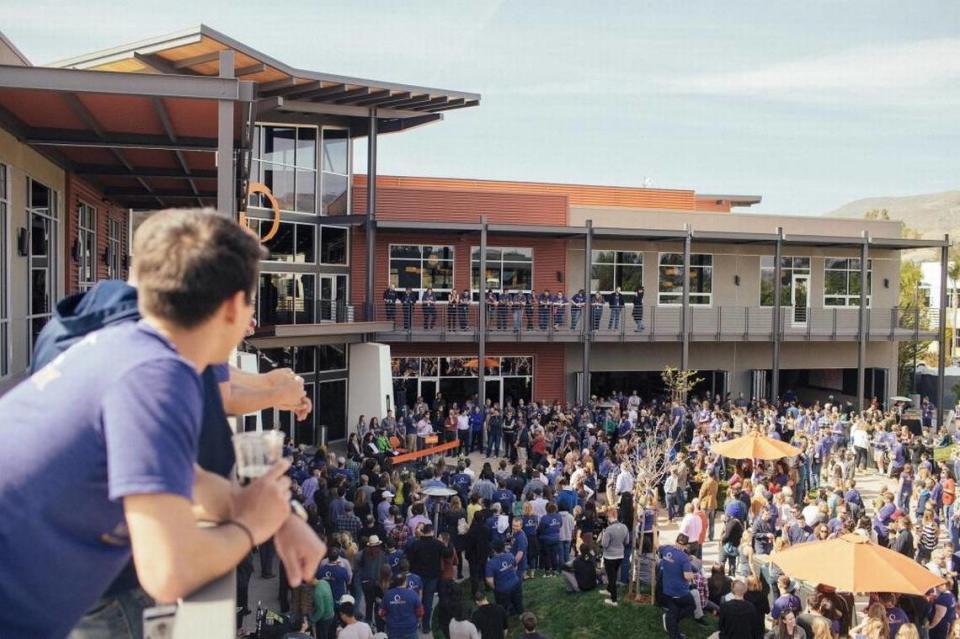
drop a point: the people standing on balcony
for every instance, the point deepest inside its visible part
(529, 300)
(491, 300)
(453, 304)
(429, 311)
(543, 303)
(503, 309)
(409, 299)
(559, 304)
(596, 311)
(515, 301)
(638, 309)
(390, 299)
(464, 308)
(576, 308)
(615, 300)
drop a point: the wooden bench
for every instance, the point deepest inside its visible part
(426, 452)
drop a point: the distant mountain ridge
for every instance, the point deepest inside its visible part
(932, 214)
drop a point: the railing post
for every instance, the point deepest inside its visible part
(746, 322)
(893, 323)
(777, 314)
(834, 336)
(719, 322)
(653, 322)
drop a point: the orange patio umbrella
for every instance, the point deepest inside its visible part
(852, 563)
(755, 446)
(489, 362)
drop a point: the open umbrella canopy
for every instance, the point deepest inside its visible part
(852, 563)
(755, 446)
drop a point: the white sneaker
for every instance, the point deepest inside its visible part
(610, 602)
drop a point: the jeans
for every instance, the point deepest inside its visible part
(861, 457)
(267, 555)
(711, 517)
(493, 443)
(429, 590)
(673, 504)
(614, 321)
(815, 468)
(574, 318)
(511, 601)
(625, 564)
(612, 568)
(517, 319)
(676, 609)
(407, 316)
(639, 321)
(119, 615)
(565, 551)
(429, 317)
(551, 554)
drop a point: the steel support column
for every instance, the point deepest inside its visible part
(587, 314)
(777, 315)
(942, 337)
(862, 324)
(685, 307)
(371, 215)
(482, 319)
(226, 169)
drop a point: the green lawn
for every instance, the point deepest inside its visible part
(583, 615)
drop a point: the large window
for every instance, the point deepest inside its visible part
(616, 268)
(420, 267)
(42, 256)
(335, 181)
(293, 243)
(670, 287)
(789, 267)
(86, 245)
(508, 379)
(508, 269)
(287, 298)
(333, 245)
(285, 159)
(4, 272)
(114, 249)
(841, 281)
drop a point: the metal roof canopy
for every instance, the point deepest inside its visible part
(666, 235)
(141, 139)
(281, 87)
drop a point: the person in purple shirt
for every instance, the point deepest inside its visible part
(896, 617)
(102, 442)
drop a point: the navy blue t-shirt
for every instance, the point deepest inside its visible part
(550, 525)
(337, 576)
(399, 608)
(118, 414)
(674, 562)
(503, 569)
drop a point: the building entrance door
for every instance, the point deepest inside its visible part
(328, 298)
(801, 299)
(493, 386)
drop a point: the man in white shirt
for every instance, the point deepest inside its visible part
(625, 480)
(691, 525)
(352, 629)
(861, 443)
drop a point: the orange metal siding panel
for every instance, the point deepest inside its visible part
(425, 205)
(578, 194)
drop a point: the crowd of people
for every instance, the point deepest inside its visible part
(514, 309)
(556, 492)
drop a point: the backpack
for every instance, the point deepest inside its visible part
(462, 526)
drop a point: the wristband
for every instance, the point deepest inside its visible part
(242, 527)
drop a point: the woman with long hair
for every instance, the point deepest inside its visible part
(875, 624)
(821, 628)
(786, 627)
(929, 535)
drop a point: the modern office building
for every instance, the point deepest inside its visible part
(148, 125)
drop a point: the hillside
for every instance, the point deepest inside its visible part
(932, 214)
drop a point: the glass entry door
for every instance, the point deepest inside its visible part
(493, 390)
(801, 299)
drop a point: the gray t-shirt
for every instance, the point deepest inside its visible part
(614, 538)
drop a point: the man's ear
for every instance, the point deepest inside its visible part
(234, 306)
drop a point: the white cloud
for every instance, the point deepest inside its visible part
(923, 72)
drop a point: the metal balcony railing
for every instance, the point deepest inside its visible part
(568, 322)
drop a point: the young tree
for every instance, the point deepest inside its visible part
(679, 382)
(914, 314)
(651, 465)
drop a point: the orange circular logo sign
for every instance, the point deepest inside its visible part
(264, 190)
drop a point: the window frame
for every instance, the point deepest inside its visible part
(82, 232)
(628, 294)
(442, 294)
(257, 162)
(321, 171)
(114, 249)
(6, 265)
(258, 314)
(661, 293)
(53, 264)
(475, 293)
(851, 300)
(784, 303)
(320, 229)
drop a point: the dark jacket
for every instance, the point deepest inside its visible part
(738, 620)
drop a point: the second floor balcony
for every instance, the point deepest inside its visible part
(567, 323)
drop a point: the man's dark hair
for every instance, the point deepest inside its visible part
(187, 262)
(346, 609)
(529, 621)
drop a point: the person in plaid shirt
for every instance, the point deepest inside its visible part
(347, 522)
(701, 594)
(399, 533)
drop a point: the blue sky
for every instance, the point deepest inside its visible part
(810, 104)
